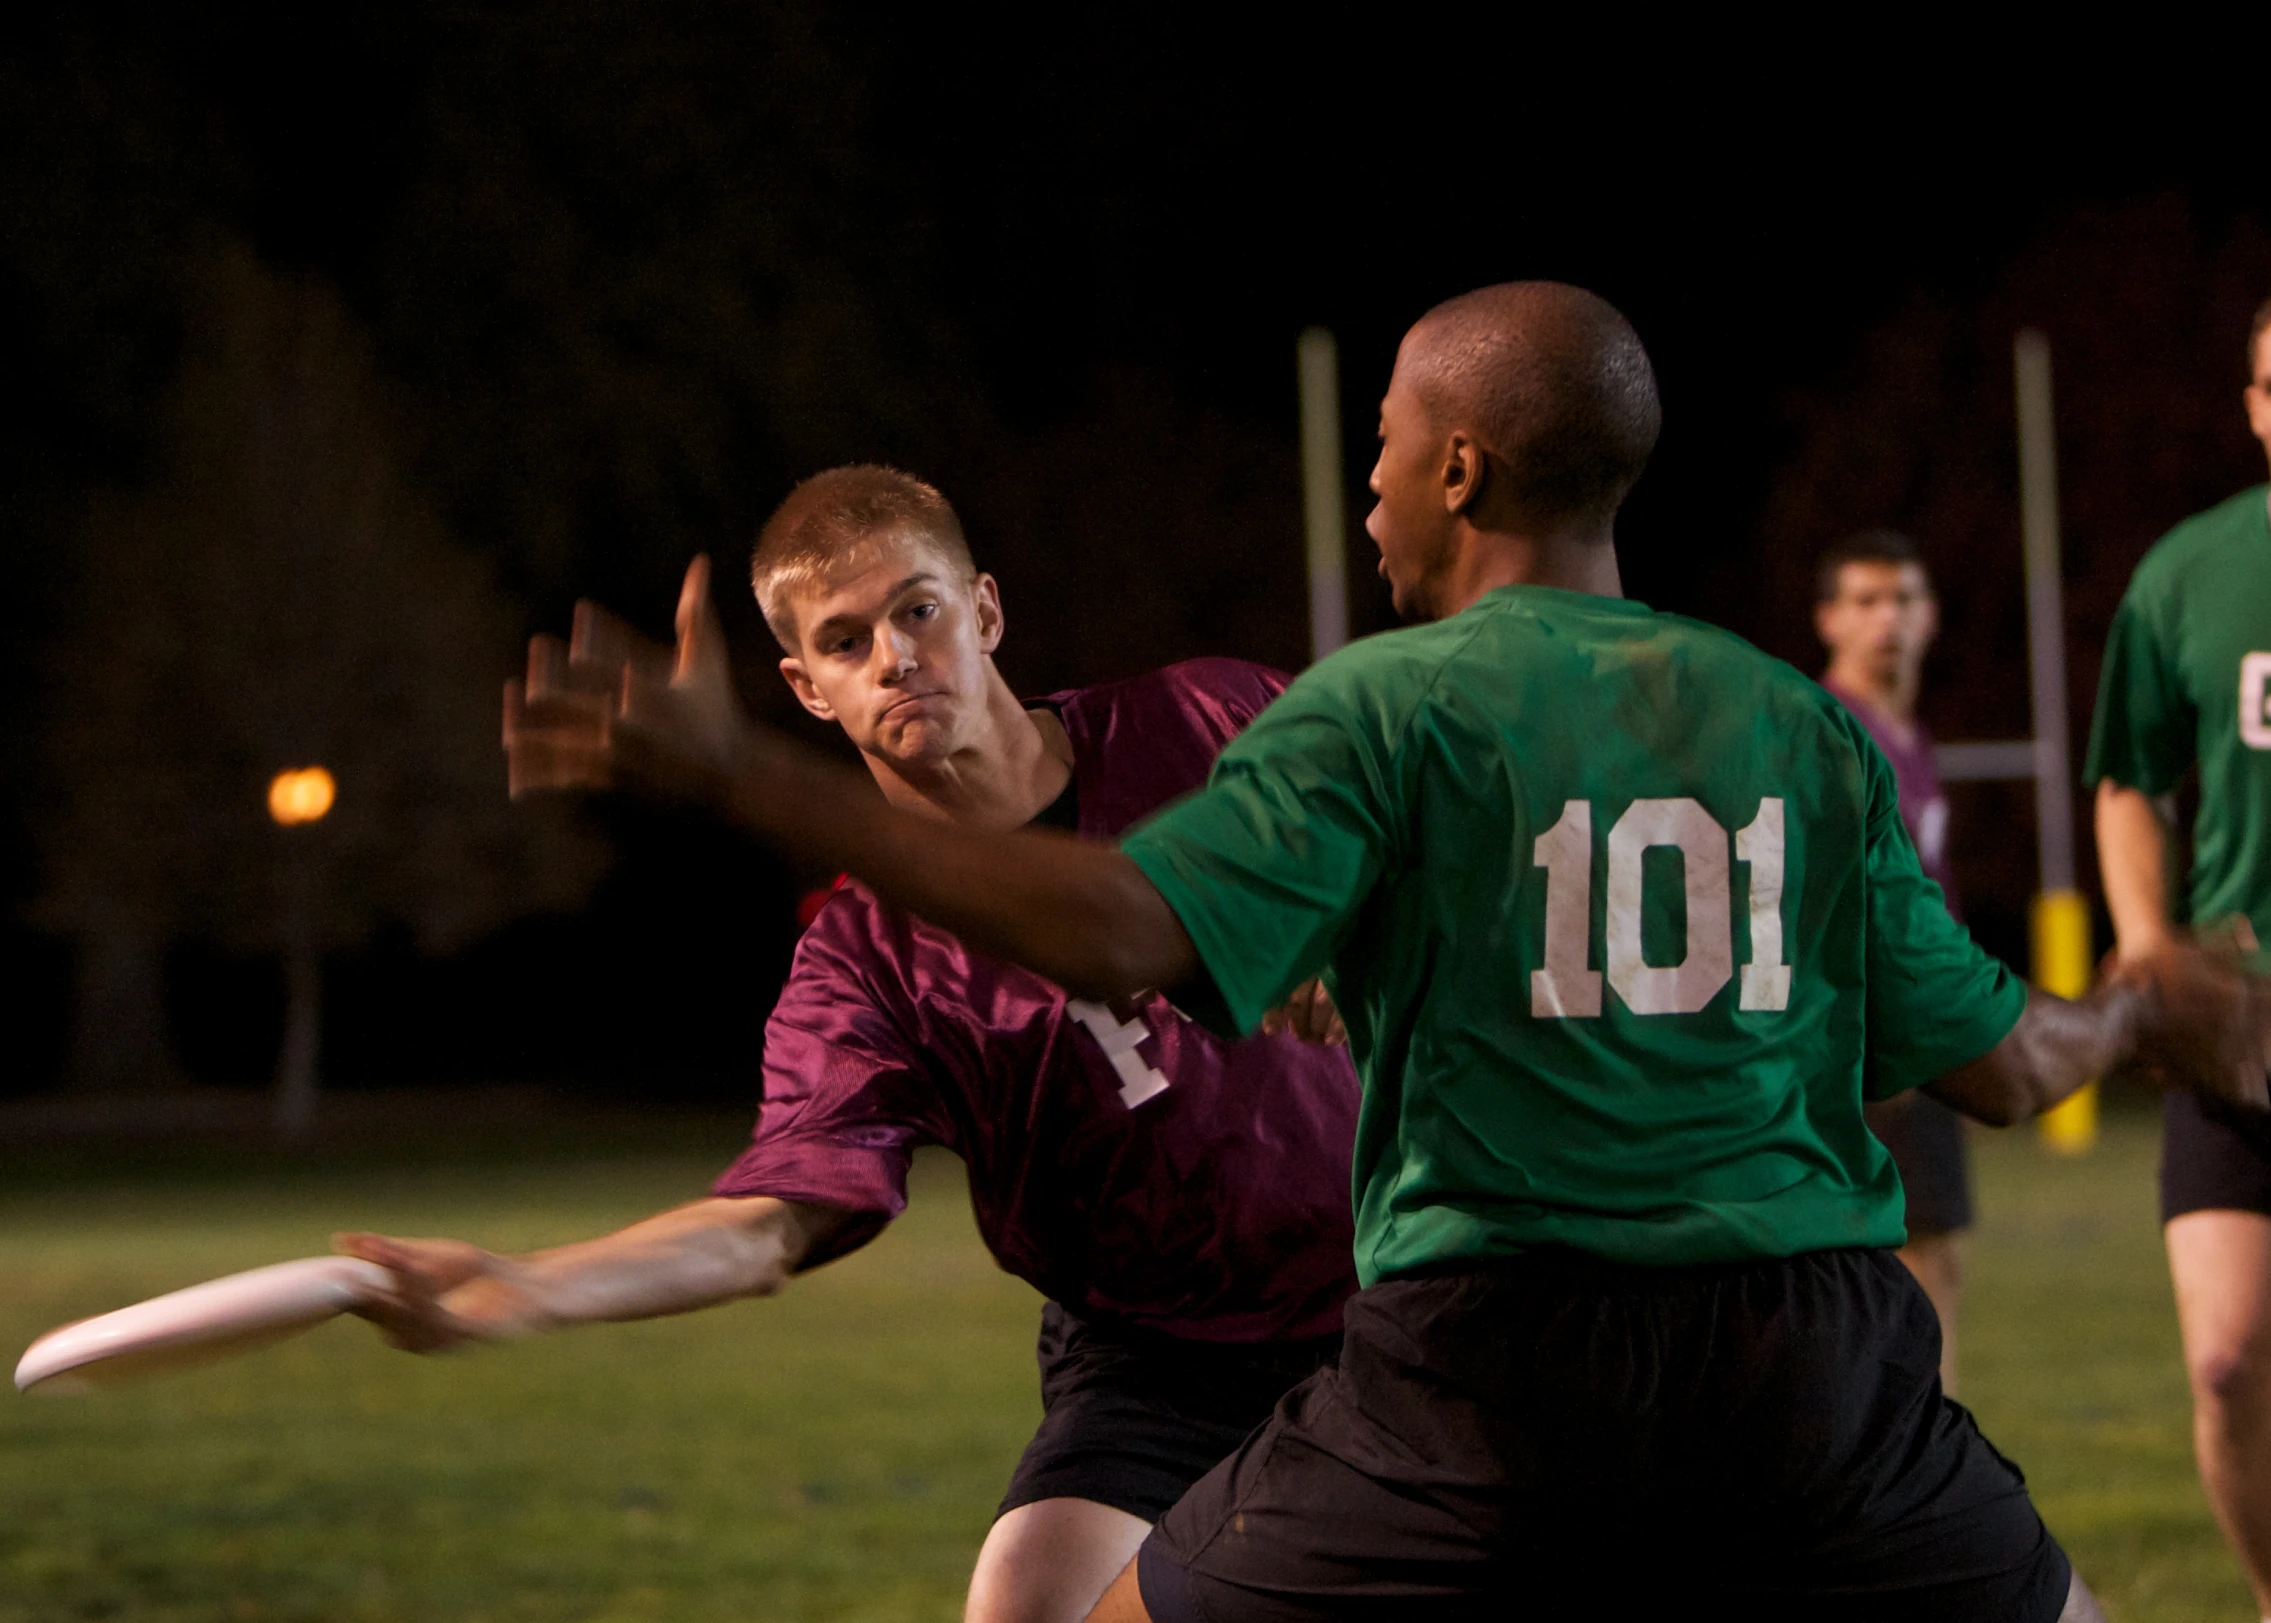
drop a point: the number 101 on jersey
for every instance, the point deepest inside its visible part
(1569, 987)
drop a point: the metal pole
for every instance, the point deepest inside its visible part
(2046, 611)
(1322, 506)
(293, 1104)
(2061, 921)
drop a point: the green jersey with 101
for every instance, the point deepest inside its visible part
(1622, 920)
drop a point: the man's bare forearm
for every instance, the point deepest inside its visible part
(448, 1293)
(2057, 1048)
(1080, 913)
(1083, 915)
(679, 1261)
(2133, 858)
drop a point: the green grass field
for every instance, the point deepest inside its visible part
(832, 1454)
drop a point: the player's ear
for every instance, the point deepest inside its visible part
(1465, 468)
(2259, 414)
(1822, 614)
(1930, 618)
(985, 593)
(806, 690)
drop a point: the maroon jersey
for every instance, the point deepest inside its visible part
(1923, 803)
(1123, 1160)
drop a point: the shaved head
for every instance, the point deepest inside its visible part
(1554, 384)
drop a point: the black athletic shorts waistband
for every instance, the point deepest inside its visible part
(1554, 1435)
(1562, 1267)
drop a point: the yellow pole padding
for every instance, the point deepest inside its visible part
(2062, 964)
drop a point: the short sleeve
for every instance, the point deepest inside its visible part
(2144, 733)
(1937, 1001)
(844, 1102)
(1269, 864)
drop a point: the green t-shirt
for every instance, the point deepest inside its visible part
(1622, 920)
(2188, 678)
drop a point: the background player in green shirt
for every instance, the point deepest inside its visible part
(2187, 681)
(1623, 923)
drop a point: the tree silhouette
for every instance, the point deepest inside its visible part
(280, 599)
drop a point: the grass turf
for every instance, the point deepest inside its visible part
(2071, 1361)
(831, 1454)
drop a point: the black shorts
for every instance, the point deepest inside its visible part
(1927, 1143)
(1558, 1437)
(2214, 1157)
(1131, 1418)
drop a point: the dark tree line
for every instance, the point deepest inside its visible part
(278, 598)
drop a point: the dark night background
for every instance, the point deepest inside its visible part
(346, 347)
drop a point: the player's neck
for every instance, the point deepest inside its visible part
(1891, 698)
(1002, 774)
(1488, 559)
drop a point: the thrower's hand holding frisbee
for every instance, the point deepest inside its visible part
(612, 710)
(439, 1295)
(444, 1294)
(204, 1323)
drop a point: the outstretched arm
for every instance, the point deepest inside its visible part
(448, 1293)
(1076, 911)
(2056, 1048)
(610, 709)
(2182, 1008)
(2191, 1014)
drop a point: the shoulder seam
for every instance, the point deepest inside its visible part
(1434, 681)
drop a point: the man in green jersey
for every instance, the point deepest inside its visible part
(1624, 926)
(2187, 681)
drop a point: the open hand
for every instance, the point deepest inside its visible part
(445, 1293)
(2207, 1023)
(611, 709)
(1308, 1015)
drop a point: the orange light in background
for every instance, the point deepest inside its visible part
(301, 795)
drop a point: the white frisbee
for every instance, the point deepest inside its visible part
(218, 1319)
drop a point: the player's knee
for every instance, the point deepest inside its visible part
(1005, 1606)
(1048, 1561)
(1039, 1603)
(2081, 1605)
(2232, 1377)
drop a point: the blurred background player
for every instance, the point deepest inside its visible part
(1625, 1236)
(1180, 1200)
(2187, 682)
(1876, 615)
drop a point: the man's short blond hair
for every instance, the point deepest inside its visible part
(834, 517)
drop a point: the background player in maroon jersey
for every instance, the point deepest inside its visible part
(1876, 615)
(1182, 1201)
